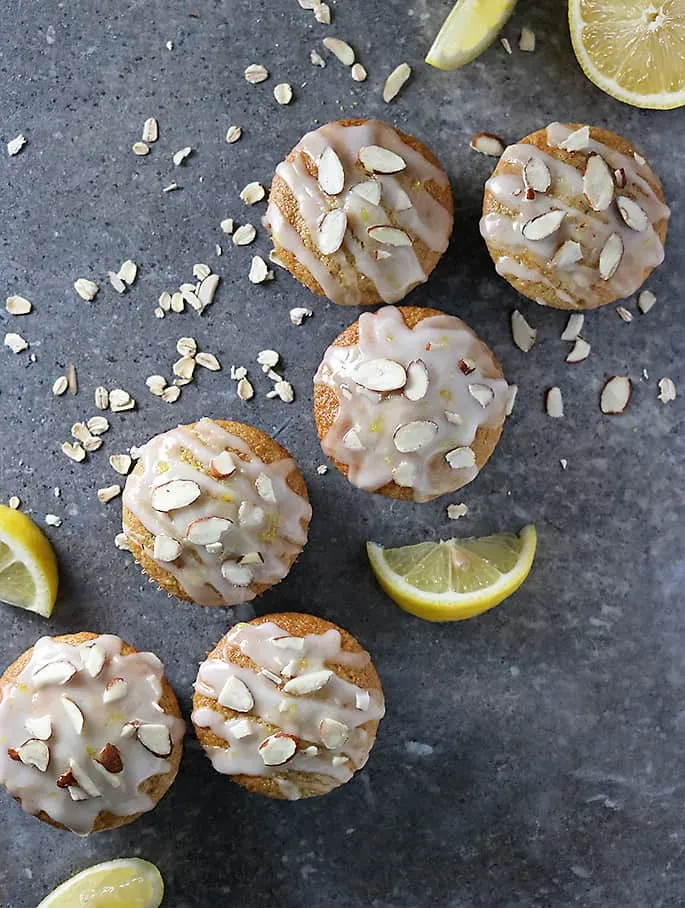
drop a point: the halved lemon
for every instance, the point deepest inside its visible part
(125, 883)
(454, 578)
(469, 29)
(28, 564)
(632, 49)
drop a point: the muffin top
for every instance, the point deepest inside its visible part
(82, 729)
(290, 707)
(577, 211)
(410, 402)
(215, 516)
(359, 198)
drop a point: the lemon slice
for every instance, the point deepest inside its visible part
(469, 29)
(632, 49)
(28, 564)
(455, 578)
(125, 883)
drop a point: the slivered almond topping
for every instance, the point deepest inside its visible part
(110, 759)
(332, 231)
(308, 684)
(115, 690)
(580, 351)
(222, 465)
(166, 549)
(251, 194)
(554, 403)
(616, 395)
(567, 255)
(524, 335)
(331, 174)
(235, 694)
(396, 81)
(352, 441)
(380, 375)
(543, 225)
(537, 175)
(94, 658)
(389, 236)
(460, 458)
(340, 49)
(634, 216)
(333, 733)
(17, 305)
(155, 738)
(256, 73)
(577, 140)
(265, 487)
(414, 435)
(74, 714)
(598, 183)
(488, 144)
(86, 289)
(370, 191)
(377, 159)
(667, 391)
(645, 301)
(206, 530)
(177, 493)
(57, 673)
(277, 749)
(237, 574)
(33, 753)
(610, 257)
(283, 93)
(416, 386)
(482, 393)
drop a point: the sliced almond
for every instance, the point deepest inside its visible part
(251, 194)
(543, 225)
(166, 549)
(352, 441)
(377, 159)
(416, 386)
(482, 393)
(461, 458)
(235, 694)
(73, 713)
(206, 530)
(57, 673)
(389, 236)
(524, 335)
(110, 759)
(34, 753)
(467, 366)
(17, 305)
(265, 487)
(82, 780)
(370, 191)
(237, 574)
(488, 144)
(333, 733)
(39, 727)
(94, 658)
(296, 643)
(413, 436)
(277, 749)
(598, 183)
(667, 391)
(340, 49)
(222, 465)
(580, 351)
(155, 738)
(616, 395)
(115, 690)
(380, 375)
(396, 81)
(308, 684)
(177, 493)
(242, 728)
(537, 175)
(577, 140)
(645, 301)
(332, 231)
(610, 257)
(331, 174)
(567, 255)
(634, 216)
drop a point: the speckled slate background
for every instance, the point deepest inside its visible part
(530, 757)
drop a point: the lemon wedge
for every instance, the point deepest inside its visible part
(28, 564)
(455, 578)
(632, 49)
(469, 29)
(125, 883)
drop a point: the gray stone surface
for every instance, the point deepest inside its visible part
(530, 757)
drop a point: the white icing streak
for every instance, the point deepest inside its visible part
(405, 202)
(440, 342)
(581, 281)
(300, 716)
(272, 528)
(103, 725)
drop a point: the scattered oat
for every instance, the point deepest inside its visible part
(101, 397)
(527, 40)
(98, 425)
(624, 314)
(322, 13)
(645, 374)
(185, 346)
(238, 372)
(244, 235)
(217, 248)
(121, 463)
(227, 225)
(15, 342)
(14, 146)
(233, 133)
(121, 542)
(108, 493)
(60, 386)
(72, 378)
(340, 49)
(259, 272)
(120, 400)
(256, 73)
(171, 394)
(184, 368)
(150, 130)
(86, 289)
(564, 463)
(505, 44)
(17, 305)
(283, 93)
(455, 511)
(299, 314)
(667, 391)
(245, 389)
(488, 144)
(268, 359)
(358, 73)
(181, 155)
(645, 301)
(74, 451)
(317, 59)
(252, 193)
(140, 149)
(395, 81)
(171, 187)
(169, 45)
(52, 520)
(201, 271)
(177, 302)
(116, 282)
(285, 391)
(554, 403)
(322, 469)
(128, 272)
(208, 361)
(13, 502)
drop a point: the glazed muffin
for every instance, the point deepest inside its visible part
(574, 217)
(91, 733)
(360, 212)
(288, 706)
(410, 403)
(215, 512)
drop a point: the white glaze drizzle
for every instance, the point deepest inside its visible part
(577, 283)
(277, 536)
(440, 342)
(394, 270)
(103, 724)
(300, 716)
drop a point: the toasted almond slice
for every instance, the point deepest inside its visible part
(580, 351)
(537, 175)
(237, 574)
(396, 81)
(332, 231)
(554, 403)
(413, 436)
(634, 216)
(482, 393)
(377, 159)
(389, 236)
(453, 418)
(333, 733)
(370, 191)
(155, 738)
(206, 530)
(524, 335)
(527, 40)
(251, 194)
(94, 658)
(166, 549)
(34, 753)
(73, 714)
(331, 174)
(235, 694)
(667, 391)
(610, 257)
(488, 144)
(543, 225)
(616, 395)
(598, 183)
(645, 301)
(340, 49)
(460, 458)
(567, 255)
(17, 305)
(577, 140)
(308, 684)
(176, 493)
(277, 749)
(416, 386)
(380, 375)
(58, 673)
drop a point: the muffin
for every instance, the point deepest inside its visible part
(574, 217)
(90, 732)
(409, 403)
(360, 212)
(215, 512)
(288, 705)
